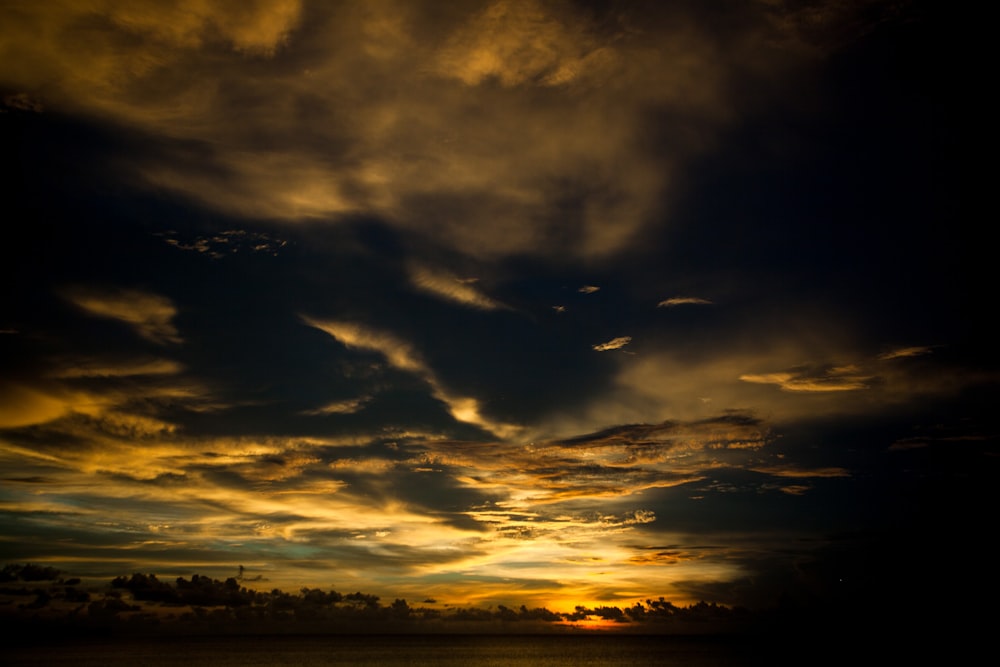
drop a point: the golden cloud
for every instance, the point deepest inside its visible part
(444, 285)
(149, 315)
(613, 344)
(403, 356)
(22, 405)
(807, 383)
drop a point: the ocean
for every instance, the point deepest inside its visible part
(613, 650)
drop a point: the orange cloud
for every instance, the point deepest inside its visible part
(149, 315)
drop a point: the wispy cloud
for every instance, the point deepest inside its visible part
(682, 301)
(449, 287)
(396, 351)
(149, 315)
(405, 357)
(613, 344)
(801, 472)
(93, 368)
(345, 407)
(614, 463)
(588, 289)
(825, 380)
(904, 352)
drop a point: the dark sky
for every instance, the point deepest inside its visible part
(492, 302)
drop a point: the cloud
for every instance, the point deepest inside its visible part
(96, 403)
(613, 344)
(117, 400)
(831, 379)
(396, 351)
(23, 102)
(497, 129)
(588, 289)
(112, 59)
(149, 315)
(403, 356)
(682, 300)
(345, 407)
(616, 463)
(905, 352)
(800, 472)
(257, 27)
(523, 43)
(23, 406)
(444, 285)
(228, 242)
(93, 368)
(813, 369)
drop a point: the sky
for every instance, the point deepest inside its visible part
(557, 303)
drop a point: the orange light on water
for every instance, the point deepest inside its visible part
(591, 623)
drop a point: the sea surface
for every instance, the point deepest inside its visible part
(397, 651)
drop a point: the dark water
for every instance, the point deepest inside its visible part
(397, 651)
